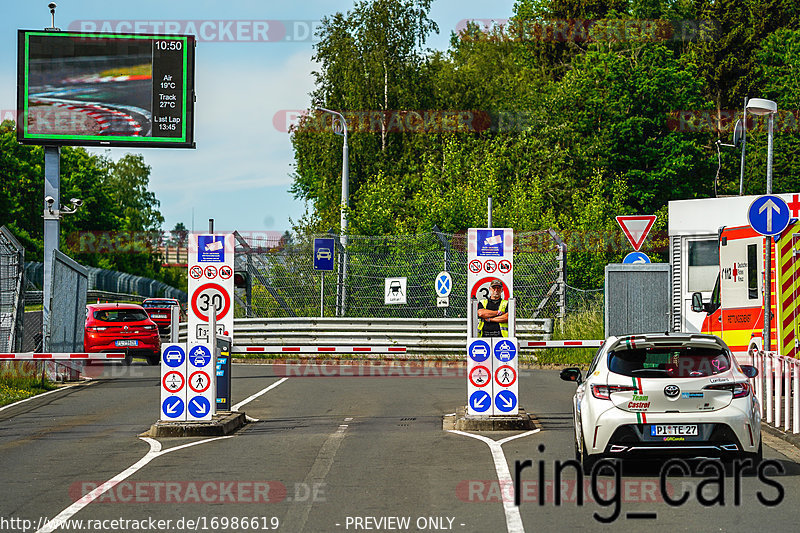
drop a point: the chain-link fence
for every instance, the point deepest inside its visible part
(284, 283)
(12, 258)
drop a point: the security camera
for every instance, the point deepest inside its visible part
(50, 201)
(77, 202)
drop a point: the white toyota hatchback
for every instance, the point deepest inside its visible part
(665, 395)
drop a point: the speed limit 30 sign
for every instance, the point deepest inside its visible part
(213, 256)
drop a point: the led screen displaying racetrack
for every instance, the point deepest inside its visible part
(103, 89)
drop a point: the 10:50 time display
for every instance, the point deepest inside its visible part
(168, 45)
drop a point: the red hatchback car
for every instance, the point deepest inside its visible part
(160, 311)
(119, 327)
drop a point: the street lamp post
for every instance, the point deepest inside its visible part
(340, 128)
(759, 106)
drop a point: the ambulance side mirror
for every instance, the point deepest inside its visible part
(697, 303)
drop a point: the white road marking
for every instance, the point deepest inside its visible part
(513, 518)
(155, 451)
(298, 513)
(256, 395)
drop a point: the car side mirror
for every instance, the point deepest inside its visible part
(750, 371)
(697, 303)
(571, 374)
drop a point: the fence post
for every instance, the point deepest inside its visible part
(796, 398)
(787, 386)
(446, 245)
(768, 379)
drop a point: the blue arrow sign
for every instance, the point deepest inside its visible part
(479, 351)
(173, 356)
(505, 350)
(199, 406)
(172, 407)
(200, 356)
(634, 258)
(769, 215)
(444, 284)
(480, 401)
(505, 400)
(323, 254)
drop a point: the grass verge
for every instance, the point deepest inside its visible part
(19, 381)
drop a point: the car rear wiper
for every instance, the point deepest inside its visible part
(638, 370)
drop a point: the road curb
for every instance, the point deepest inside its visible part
(791, 438)
(461, 421)
(222, 424)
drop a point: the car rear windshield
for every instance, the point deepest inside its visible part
(164, 303)
(120, 315)
(669, 362)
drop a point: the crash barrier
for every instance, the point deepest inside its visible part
(92, 296)
(61, 356)
(113, 281)
(440, 337)
(777, 388)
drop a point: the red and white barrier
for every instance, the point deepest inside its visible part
(562, 344)
(30, 356)
(777, 388)
(319, 349)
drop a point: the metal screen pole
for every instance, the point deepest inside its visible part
(52, 228)
(321, 294)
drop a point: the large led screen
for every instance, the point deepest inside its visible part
(103, 89)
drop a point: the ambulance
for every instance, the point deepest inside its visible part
(694, 250)
(735, 309)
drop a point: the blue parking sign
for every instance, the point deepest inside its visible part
(323, 254)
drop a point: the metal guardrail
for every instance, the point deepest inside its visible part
(421, 336)
(777, 388)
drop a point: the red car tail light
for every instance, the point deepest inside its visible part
(148, 327)
(96, 328)
(739, 390)
(603, 392)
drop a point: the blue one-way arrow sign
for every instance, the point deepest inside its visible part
(480, 401)
(769, 215)
(505, 401)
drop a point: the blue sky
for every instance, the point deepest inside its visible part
(240, 172)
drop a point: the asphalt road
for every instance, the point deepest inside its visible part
(344, 453)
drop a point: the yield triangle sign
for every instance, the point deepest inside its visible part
(636, 228)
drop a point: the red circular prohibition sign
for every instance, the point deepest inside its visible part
(225, 296)
(512, 376)
(478, 369)
(200, 388)
(169, 374)
(488, 279)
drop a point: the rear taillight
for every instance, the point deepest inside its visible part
(148, 327)
(739, 390)
(96, 328)
(603, 392)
